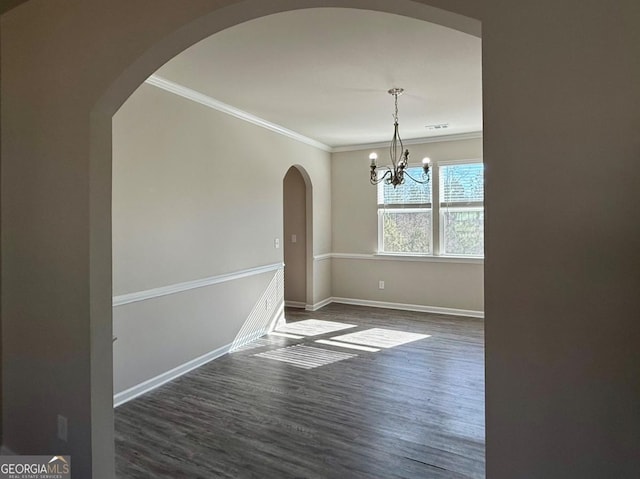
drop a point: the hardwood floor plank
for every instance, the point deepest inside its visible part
(411, 411)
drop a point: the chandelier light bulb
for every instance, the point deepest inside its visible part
(426, 160)
(373, 157)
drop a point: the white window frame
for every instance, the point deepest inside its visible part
(416, 209)
(437, 217)
(381, 212)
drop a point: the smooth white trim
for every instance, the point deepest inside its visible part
(395, 257)
(193, 95)
(187, 285)
(153, 383)
(409, 307)
(5, 451)
(318, 305)
(415, 141)
(150, 384)
(210, 102)
(295, 304)
(322, 257)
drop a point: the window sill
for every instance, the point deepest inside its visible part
(429, 258)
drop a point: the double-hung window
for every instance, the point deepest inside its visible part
(462, 209)
(410, 224)
(404, 217)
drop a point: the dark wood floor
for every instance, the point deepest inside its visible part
(411, 411)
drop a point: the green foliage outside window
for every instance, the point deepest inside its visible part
(407, 232)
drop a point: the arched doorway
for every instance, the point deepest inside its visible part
(100, 161)
(101, 56)
(297, 237)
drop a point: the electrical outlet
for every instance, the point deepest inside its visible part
(276, 243)
(380, 284)
(63, 428)
(294, 238)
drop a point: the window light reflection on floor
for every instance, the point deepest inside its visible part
(305, 357)
(380, 338)
(346, 345)
(285, 335)
(313, 327)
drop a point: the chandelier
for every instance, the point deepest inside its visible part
(395, 174)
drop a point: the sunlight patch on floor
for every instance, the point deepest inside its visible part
(380, 338)
(359, 347)
(285, 335)
(261, 343)
(305, 357)
(313, 327)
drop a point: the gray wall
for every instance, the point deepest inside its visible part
(562, 269)
(445, 284)
(181, 215)
(561, 116)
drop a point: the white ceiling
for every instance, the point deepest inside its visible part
(325, 72)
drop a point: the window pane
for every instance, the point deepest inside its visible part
(462, 183)
(463, 232)
(406, 232)
(409, 193)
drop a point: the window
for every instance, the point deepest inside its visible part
(462, 209)
(404, 216)
(408, 222)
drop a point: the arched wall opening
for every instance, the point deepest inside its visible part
(298, 238)
(73, 80)
(66, 70)
(101, 153)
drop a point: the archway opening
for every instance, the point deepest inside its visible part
(121, 89)
(297, 237)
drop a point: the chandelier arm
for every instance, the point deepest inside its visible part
(380, 179)
(393, 147)
(417, 181)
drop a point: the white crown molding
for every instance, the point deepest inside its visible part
(414, 141)
(187, 285)
(193, 95)
(210, 102)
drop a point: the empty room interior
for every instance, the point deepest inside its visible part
(322, 325)
(320, 239)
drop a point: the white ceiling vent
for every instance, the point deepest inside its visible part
(438, 126)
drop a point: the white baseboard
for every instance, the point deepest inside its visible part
(295, 304)
(317, 306)
(407, 307)
(150, 384)
(5, 451)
